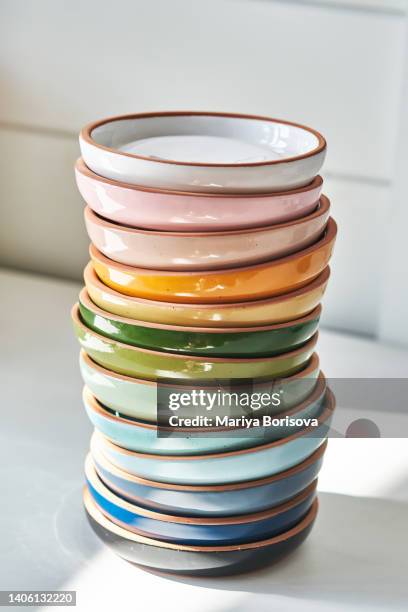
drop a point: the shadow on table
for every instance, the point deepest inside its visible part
(356, 554)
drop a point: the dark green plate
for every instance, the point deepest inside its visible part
(219, 342)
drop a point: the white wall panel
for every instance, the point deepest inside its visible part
(41, 211)
(67, 62)
(394, 304)
(353, 298)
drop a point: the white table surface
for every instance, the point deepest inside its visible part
(355, 558)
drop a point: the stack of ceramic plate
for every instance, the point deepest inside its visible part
(209, 257)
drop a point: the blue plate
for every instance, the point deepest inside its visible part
(222, 468)
(143, 437)
(217, 500)
(198, 531)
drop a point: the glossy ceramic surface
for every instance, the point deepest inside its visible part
(278, 309)
(216, 500)
(137, 398)
(204, 531)
(234, 284)
(145, 363)
(196, 560)
(143, 437)
(207, 152)
(181, 211)
(204, 250)
(232, 342)
(221, 468)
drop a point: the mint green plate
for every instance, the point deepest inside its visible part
(137, 398)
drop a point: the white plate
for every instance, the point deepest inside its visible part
(205, 152)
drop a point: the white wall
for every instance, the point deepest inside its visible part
(337, 65)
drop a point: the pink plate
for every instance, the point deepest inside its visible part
(204, 250)
(183, 211)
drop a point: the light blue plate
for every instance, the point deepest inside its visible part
(218, 500)
(221, 468)
(144, 437)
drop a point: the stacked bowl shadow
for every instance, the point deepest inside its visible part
(210, 244)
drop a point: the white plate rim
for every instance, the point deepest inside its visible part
(86, 136)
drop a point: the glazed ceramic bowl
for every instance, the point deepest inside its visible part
(204, 250)
(230, 285)
(143, 437)
(278, 309)
(196, 560)
(216, 500)
(202, 531)
(231, 342)
(137, 398)
(205, 152)
(164, 210)
(221, 468)
(153, 365)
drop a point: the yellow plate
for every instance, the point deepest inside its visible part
(278, 309)
(231, 285)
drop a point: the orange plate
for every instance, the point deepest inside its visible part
(231, 285)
